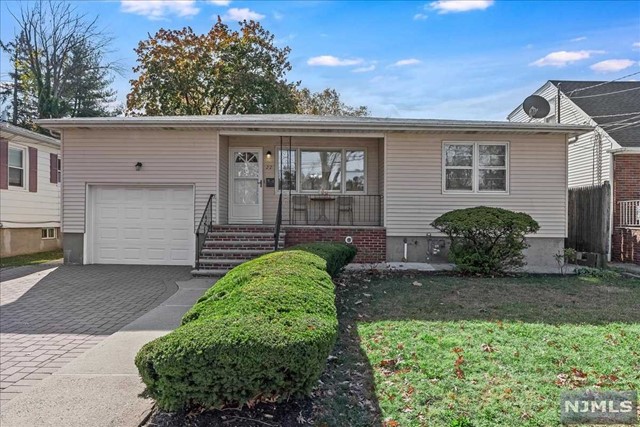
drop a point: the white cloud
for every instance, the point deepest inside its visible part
(578, 39)
(220, 2)
(159, 9)
(564, 57)
(636, 45)
(612, 65)
(406, 62)
(364, 69)
(332, 61)
(241, 14)
(419, 17)
(456, 6)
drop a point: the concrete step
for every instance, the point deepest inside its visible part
(242, 245)
(220, 263)
(243, 254)
(208, 272)
(232, 236)
(243, 228)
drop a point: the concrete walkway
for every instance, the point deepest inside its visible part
(102, 387)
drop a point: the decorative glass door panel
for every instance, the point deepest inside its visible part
(245, 193)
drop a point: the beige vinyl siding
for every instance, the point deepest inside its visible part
(272, 143)
(414, 197)
(222, 197)
(108, 156)
(23, 209)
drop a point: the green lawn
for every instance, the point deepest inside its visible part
(31, 259)
(426, 350)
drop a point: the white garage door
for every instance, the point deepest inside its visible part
(142, 225)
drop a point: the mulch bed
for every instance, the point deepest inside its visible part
(287, 414)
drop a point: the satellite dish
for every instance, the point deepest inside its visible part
(536, 107)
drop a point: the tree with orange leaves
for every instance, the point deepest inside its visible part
(220, 72)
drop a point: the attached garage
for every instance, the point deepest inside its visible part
(147, 225)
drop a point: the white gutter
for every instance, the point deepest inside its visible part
(629, 150)
(18, 131)
(241, 124)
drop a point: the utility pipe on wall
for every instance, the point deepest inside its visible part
(404, 258)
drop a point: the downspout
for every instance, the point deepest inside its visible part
(612, 183)
(558, 104)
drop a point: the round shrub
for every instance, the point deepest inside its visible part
(262, 332)
(486, 240)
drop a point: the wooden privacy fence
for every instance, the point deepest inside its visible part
(589, 212)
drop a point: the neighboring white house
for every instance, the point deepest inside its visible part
(205, 190)
(611, 108)
(611, 152)
(29, 192)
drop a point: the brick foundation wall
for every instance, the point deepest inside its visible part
(626, 186)
(371, 242)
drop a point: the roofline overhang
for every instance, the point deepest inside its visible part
(251, 125)
(625, 150)
(18, 131)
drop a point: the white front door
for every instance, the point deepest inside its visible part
(245, 185)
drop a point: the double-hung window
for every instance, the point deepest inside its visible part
(17, 163)
(322, 170)
(475, 167)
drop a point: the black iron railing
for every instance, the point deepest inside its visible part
(276, 235)
(206, 223)
(335, 209)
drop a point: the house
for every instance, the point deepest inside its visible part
(29, 192)
(206, 190)
(611, 152)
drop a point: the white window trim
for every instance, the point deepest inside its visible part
(59, 169)
(343, 170)
(476, 167)
(55, 233)
(25, 168)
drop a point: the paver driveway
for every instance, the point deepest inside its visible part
(51, 316)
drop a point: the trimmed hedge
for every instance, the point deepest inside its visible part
(337, 255)
(263, 332)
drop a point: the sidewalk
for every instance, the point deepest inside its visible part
(627, 267)
(102, 388)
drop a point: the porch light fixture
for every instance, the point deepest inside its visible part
(268, 154)
(138, 166)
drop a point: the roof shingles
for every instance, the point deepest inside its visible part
(610, 105)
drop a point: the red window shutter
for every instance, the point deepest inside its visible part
(4, 164)
(33, 170)
(53, 168)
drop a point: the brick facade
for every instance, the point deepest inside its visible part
(370, 241)
(626, 186)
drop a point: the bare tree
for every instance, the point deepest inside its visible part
(60, 50)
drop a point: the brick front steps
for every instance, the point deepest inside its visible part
(229, 245)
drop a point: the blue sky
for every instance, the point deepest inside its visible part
(434, 59)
